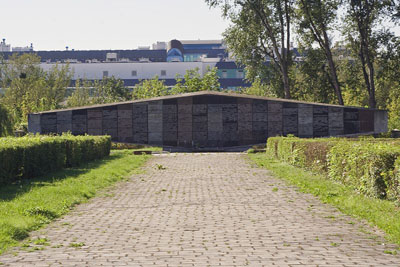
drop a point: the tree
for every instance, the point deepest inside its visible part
(149, 88)
(311, 79)
(109, 90)
(28, 88)
(81, 95)
(193, 82)
(364, 31)
(6, 124)
(316, 19)
(260, 31)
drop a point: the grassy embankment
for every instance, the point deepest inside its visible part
(31, 204)
(384, 214)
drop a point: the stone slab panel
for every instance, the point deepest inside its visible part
(170, 109)
(140, 128)
(170, 117)
(200, 136)
(185, 137)
(320, 126)
(110, 124)
(275, 128)
(245, 135)
(200, 119)
(200, 127)
(139, 108)
(351, 127)
(185, 101)
(275, 117)
(170, 127)
(140, 138)
(94, 113)
(229, 127)
(185, 117)
(227, 100)
(64, 116)
(155, 137)
(335, 118)
(260, 126)
(244, 100)
(215, 116)
(95, 131)
(260, 136)
(155, 107)
(154, 126)
(170, 136)
(125, 114)
(274, 107)
(199, 110)
(245, 108)
(125, 132)
(290, 124)
(185, 127)
(366, 120)
(215, 135)
(34, 125)
(64, 128)
(246, 117)
(214, 108)
(306, 130)
(260, 106)
(320, 110)
(139, 118)
(185, 109)
(95, 124)
(350, 114)
(245, 126)
(380, 121)
(125, 123)
(112, 132)
(290, 111)
(215, 126)
(260, 117)
(305, 113)
(110, 113)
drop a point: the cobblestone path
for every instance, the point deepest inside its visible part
(205, 210)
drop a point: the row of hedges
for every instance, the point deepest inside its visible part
(31, 156)
(372, 166)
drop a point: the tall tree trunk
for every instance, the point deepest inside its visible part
(335, 80)
(286, 82)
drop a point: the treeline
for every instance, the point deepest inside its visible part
(27, 88)
(347, 51)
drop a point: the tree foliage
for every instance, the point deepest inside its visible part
(28, 88)
(260, 32)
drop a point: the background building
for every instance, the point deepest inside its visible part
(165, 60)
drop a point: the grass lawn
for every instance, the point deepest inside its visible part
(381, 213)
(31, 204)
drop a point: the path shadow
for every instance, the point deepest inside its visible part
(11, 191)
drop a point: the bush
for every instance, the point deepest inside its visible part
(371, 166)
(31, 156)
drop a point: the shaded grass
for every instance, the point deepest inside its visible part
(381, 213)
(33, 203)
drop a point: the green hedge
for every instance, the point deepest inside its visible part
(31, 156)
(372, 166)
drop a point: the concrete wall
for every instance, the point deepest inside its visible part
(210, 120)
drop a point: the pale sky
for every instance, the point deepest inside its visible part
(106, 24)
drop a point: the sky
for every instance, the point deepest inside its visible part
(106, 24)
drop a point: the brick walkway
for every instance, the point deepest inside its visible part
(205, 210)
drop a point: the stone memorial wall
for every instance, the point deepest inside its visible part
(209, 120)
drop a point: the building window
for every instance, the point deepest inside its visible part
(224, 74)
(134, 73)
(240, 74)
(105, 73)
(163, 73)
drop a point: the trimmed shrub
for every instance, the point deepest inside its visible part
(371, 166)
(31, 156)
